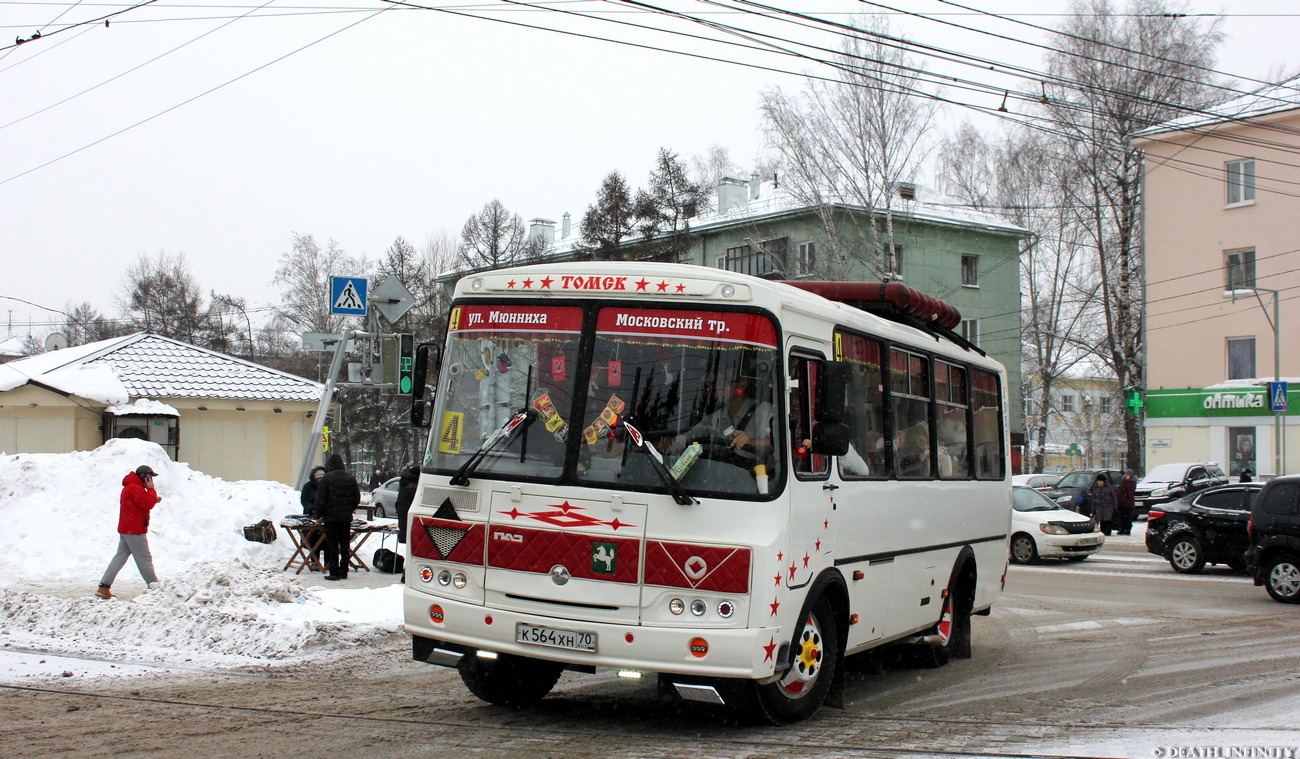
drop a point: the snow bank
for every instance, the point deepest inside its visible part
(217, 613)
(60, 515)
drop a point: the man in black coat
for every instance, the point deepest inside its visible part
(337, 496)
(405, 496)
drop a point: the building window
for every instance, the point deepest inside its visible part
(807, 261)
(1107, 404)
(1241, 358)
(970, 330)
(760, 259)
(1241, 181)
(893, 263)
(970, 271)
(1067, 403)
(1239, 267)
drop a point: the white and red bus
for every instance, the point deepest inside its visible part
(730, 482)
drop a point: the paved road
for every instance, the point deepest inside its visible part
(1117, 657)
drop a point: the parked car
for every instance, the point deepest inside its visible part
(1041, 530)
(1066, 492)
(1273, 558)
(1206, 527)
(385, 498)
(1169, 482)
(1036, 481)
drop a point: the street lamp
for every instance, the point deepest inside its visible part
(1275, 321)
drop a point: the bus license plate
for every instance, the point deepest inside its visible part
(574, 640)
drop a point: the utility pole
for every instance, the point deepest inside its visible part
(1275, 321)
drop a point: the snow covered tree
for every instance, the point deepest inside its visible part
(665, 207)
(494, 238)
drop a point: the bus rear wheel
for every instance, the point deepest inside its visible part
(814, 659)
(509, 680)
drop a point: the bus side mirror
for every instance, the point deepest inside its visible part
(420, 378)
(830, 438)
(832, 392)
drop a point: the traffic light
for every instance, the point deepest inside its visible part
(406, 364)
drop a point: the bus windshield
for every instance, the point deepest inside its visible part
(699, 387)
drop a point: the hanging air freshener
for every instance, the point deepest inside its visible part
(558, 371)
(504, 363)
(615, 373)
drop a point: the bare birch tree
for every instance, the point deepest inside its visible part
(1114, 74)
(851, 141)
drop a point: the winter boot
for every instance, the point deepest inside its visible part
(104, 592)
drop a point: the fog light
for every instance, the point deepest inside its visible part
(630, 674)
(459, 580)
(726, 609)
(444, 577)
(698, 607)
(676, 606)
(477, 284)
(486, 654)
(426, 574)
(728, 291)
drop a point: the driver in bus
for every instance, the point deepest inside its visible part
(740, 420)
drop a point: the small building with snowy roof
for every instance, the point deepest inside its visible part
(222, 415)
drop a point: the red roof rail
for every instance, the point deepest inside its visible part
(871, 296)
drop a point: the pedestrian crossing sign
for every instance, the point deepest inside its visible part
(348, 296)
(1277, 396)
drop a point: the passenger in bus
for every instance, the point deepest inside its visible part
(855, 463)
(913, 450)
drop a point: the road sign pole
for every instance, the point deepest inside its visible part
(327, 397)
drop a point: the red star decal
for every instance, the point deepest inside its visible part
(775, 605)
(528, 283)
(642, 283)
(806, 557)
(663, 287)
(513, 513)
(818, 545)
(511, 283)
(769, 648)
(681, 288)
(792, 569)
(826, 524)
(780, 555)
(778, 579)
(547, 282)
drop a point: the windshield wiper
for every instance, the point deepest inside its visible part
(657, 463)
(518, 422)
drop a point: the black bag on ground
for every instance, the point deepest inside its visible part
(262, 532)
(388, 562)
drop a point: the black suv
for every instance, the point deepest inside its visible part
(1067, 491)
(1273, 558)
(1208, 527)
(1169, 482)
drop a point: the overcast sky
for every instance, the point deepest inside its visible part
(364, 121)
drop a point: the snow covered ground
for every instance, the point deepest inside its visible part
(221, 601)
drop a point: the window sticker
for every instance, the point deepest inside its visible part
(449, 439)
(606, 421)
(550, 417)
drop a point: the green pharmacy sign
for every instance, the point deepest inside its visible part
(1198, 402)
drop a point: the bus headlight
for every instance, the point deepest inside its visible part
(698, 607)
(444, 577)
(676, 606)
(726, 609)
(459, 580)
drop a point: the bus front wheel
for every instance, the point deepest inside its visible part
(509, 680)
(814, 658)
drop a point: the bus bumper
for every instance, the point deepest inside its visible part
(445, 629)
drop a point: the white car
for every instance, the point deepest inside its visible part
(1040, 529)
(1036, 481)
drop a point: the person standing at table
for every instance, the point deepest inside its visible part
(337, 496)
(137, 500)
(405, 497)
(308, 500)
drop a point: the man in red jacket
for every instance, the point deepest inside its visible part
(138, 499)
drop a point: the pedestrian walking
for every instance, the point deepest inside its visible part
(1246, 475)
(337, 496)
(405, 497)
(1101, 496)
(1126, 508)
(137, 500)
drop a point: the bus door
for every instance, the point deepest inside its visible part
(812, 507)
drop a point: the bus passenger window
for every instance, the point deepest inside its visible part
(986, 424)
(951, 411)
(866, 410)
(910, 390)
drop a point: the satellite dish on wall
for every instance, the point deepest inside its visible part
(56, 341)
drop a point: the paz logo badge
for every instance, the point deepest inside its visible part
(604, 558)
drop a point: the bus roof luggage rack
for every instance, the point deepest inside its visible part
(894, 301)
